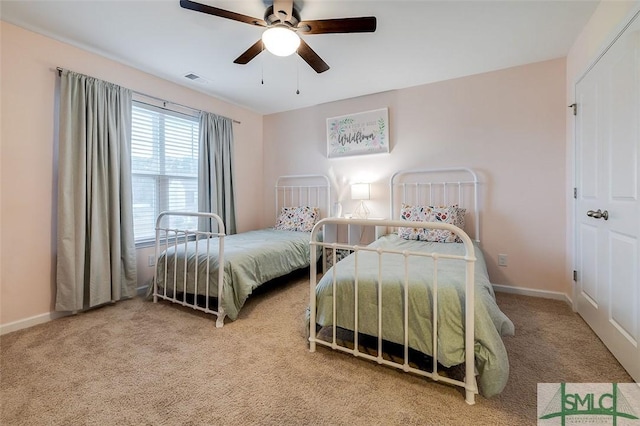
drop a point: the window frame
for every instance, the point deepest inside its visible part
(161, 178)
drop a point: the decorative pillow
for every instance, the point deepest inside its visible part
(453, 215)
(297, 218)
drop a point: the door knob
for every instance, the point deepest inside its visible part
(598, 214)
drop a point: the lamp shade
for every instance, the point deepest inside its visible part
(280, 41)
(360, 191)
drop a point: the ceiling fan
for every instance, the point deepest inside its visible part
(283, 20)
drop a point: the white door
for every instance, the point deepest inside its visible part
(608, 198)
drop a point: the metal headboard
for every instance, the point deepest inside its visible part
(304, 190)
(438, 187)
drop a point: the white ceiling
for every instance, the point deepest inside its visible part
(416, 42)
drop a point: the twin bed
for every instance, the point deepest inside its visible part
(379, 302)
(251, 259)
(425, 264)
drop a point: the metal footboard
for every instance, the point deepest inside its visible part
(467, 261)
(177, 288)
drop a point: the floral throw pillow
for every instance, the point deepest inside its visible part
(297, 218)
(453, 215)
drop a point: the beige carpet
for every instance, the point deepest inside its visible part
(139, 363)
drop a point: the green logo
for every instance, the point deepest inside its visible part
(588, 405)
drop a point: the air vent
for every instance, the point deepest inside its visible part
(196, 78)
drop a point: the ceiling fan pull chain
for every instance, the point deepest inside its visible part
(297, 76)
(262, 67)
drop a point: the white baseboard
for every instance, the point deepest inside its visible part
(545, 294)
(30, 322)
(50, 316)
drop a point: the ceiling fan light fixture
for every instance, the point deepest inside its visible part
(281, 41)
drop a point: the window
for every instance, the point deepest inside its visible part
(164, 166)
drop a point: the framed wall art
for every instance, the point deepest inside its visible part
(358, 134)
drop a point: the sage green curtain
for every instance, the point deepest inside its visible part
(215, 171)
(96, 259)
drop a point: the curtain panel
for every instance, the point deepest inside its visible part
(96, 257)
(215, 172)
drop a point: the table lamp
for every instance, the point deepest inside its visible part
(360, 192)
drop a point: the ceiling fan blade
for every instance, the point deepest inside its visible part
(250, 53)
(365, 24)
(312, 57)
(284, 7)
(198, 7)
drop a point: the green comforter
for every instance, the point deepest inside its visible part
(251, 259)
(490, 323)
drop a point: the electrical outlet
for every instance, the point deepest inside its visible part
(502, 260)
(151, 260)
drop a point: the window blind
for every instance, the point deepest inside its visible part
(164, 165)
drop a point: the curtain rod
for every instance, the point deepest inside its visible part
(59, 69)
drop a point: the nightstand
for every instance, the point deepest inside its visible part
(352, 234)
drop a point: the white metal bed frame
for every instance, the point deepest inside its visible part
(290, 194)
(290, 190)
(413, 186)
(176, 237)
(409, 187)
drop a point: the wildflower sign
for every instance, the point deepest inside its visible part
(356, 134)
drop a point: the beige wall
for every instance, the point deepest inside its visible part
(606, 23)
(509, 125)
(27, 221)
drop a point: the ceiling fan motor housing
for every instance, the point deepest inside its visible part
(271, 17)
